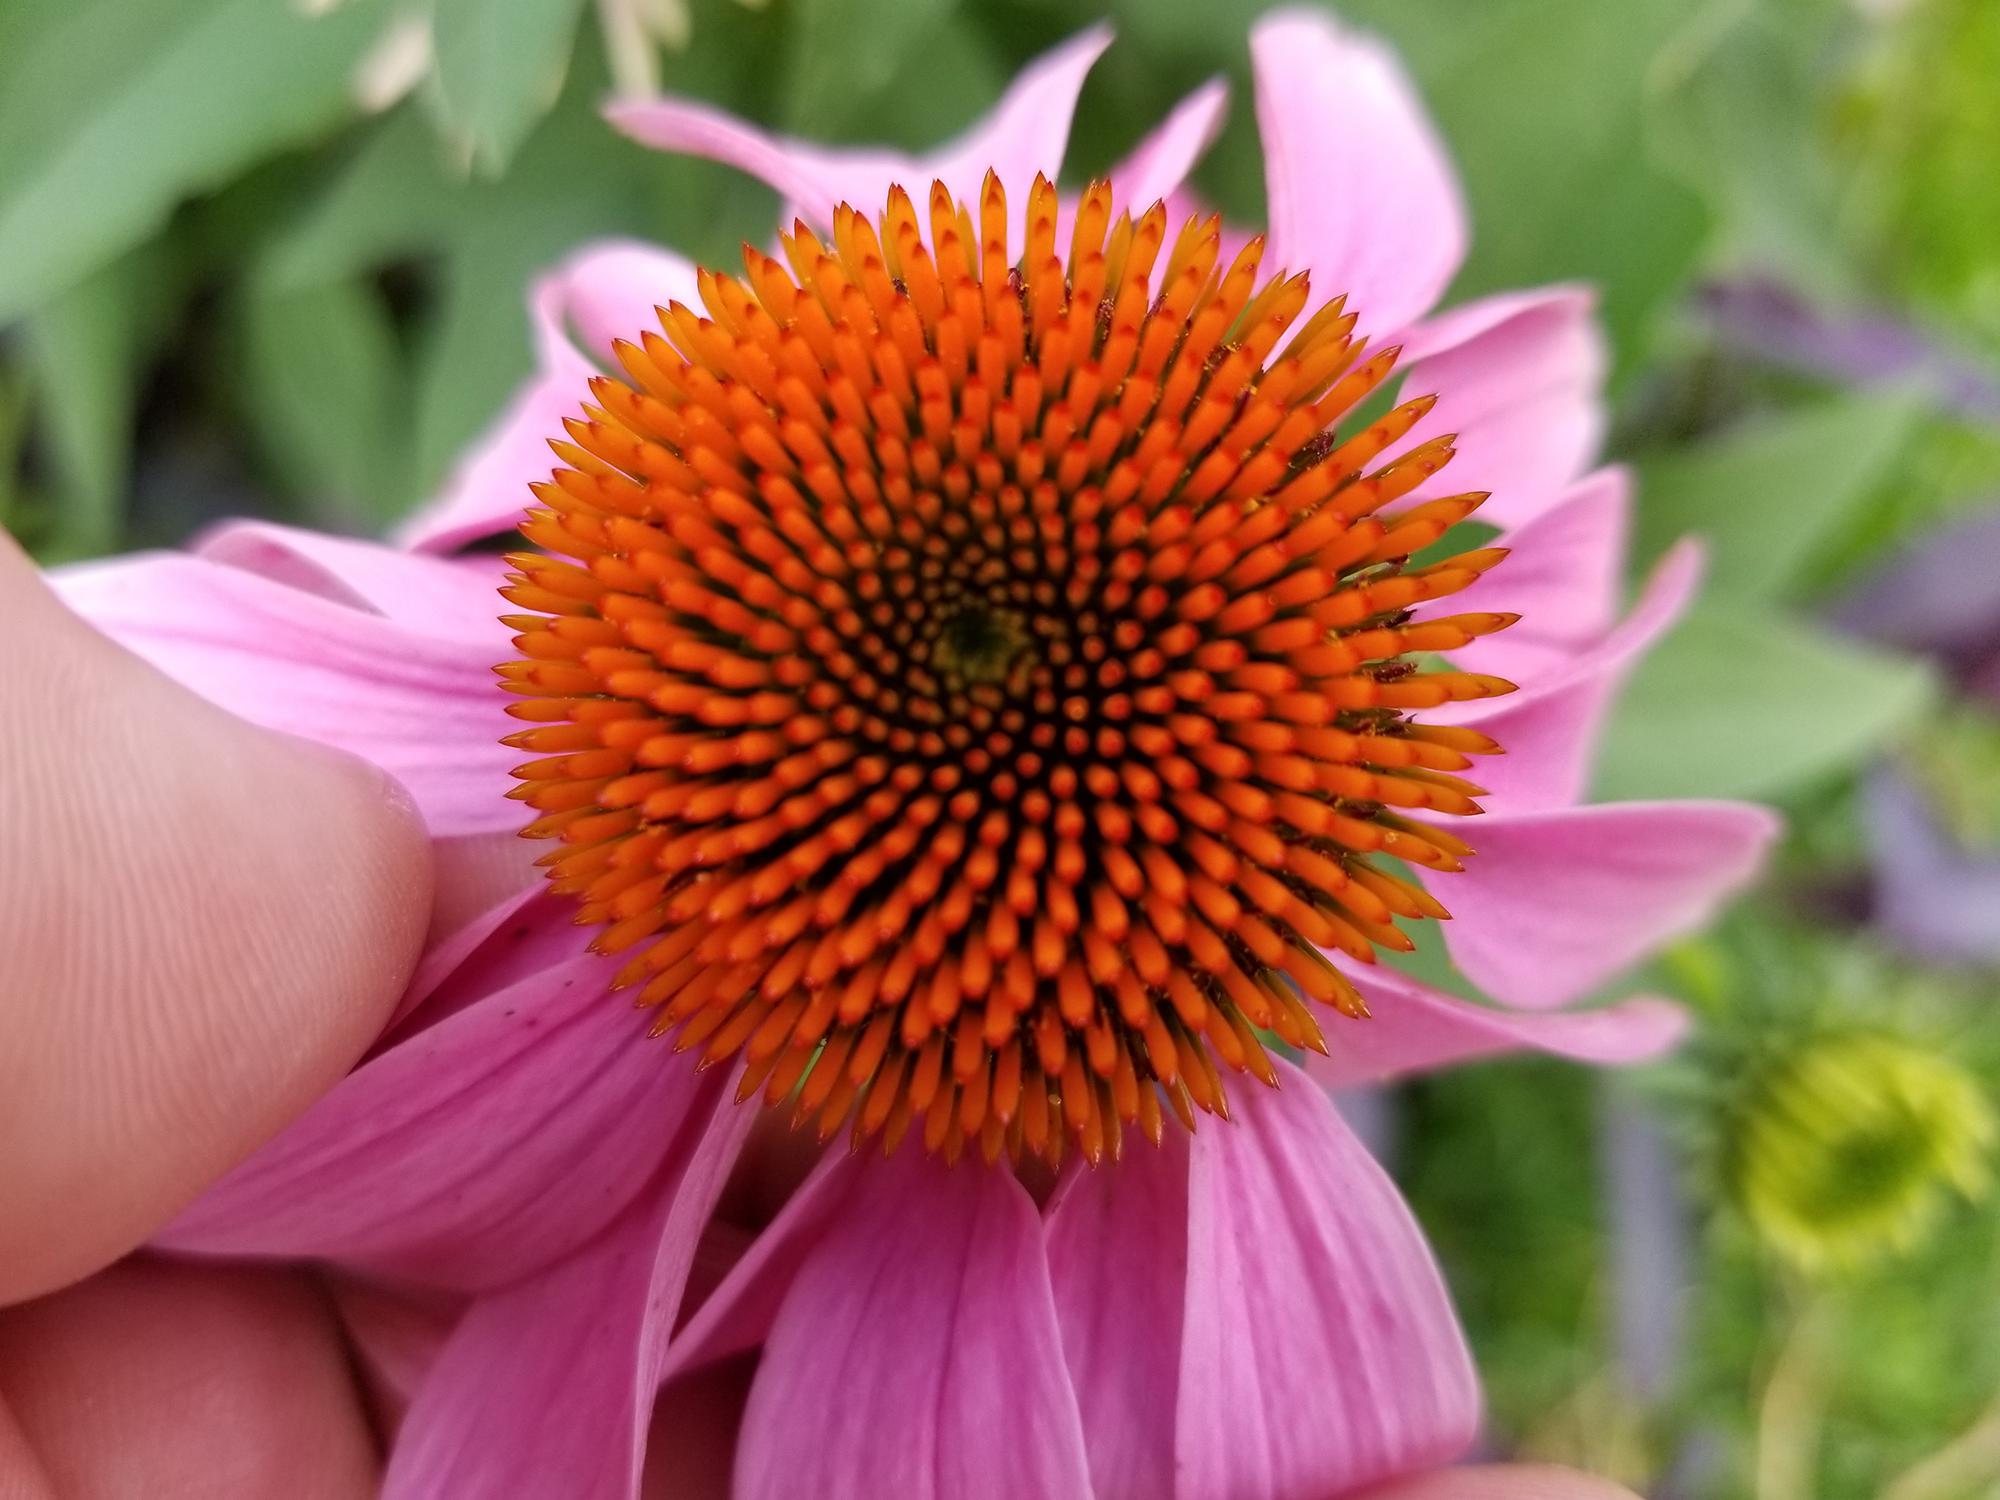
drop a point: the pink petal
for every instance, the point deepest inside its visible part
(1161, 162)
(1361, 189)
(423, 707)
(1520, 378)
(1554, 903)
(612, 288)
(477, 1149)
(1416, 1029)
(916, 1355)
(1025, 134)
(1550, 728)
(1118, 1264)
(1319, 1351)
(1562, 576)
(487, 491)
(546, 1386)
(738, 1315)
(457, 600)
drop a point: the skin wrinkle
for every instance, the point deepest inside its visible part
(207, 924)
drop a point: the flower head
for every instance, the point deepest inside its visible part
(1249, 1310)
(974, 684)
(1849, 1148)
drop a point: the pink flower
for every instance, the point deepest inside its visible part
(1246, 1311)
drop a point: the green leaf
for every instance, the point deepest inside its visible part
(475, 346)
(392, 198)
(14, 409)
(85, 351)
(325, 390)
(1546, 107)
(114, 112)
(1765, 495)
(1733, 94)
(846, 58)
(500, 68)
(1741, 701)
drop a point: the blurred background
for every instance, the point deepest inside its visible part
(268, 258)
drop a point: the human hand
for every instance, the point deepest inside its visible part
(207, 924)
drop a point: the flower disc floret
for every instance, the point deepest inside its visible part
(975, 688)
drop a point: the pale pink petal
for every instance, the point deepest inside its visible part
(916, 1354)
(1025, 134)
(423, 707)
(1549, 729)
(611, 288)
(1415, 1029)
(456, 598)
(1161, 162)
(1362, 192)
(477, 1149)
(1319, 1350)
(1520, 378)
(1555, 903)
(1562, 575)
(1118, 1264)
(487, 492)
(546, 1387)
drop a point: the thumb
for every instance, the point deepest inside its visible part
(205, 924)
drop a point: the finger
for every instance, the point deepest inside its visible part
(1509, 1482)
(204, 924)
(169, 1379)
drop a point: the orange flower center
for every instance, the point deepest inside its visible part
(974, 689)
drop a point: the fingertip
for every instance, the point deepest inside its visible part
(214, 920)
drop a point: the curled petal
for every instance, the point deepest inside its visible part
(605, 291)
(611, 290)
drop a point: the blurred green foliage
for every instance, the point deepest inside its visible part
(271, 257)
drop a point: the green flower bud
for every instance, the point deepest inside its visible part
(1847, 1150)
